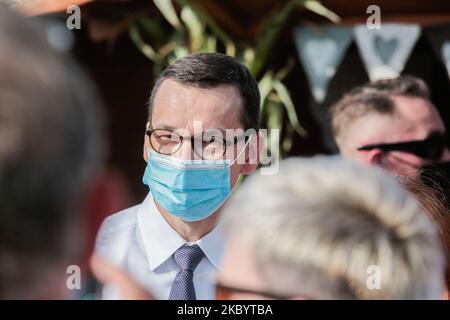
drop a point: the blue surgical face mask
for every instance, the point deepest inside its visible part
(192, 190)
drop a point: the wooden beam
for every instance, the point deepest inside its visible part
(39, 7)
(423, 20)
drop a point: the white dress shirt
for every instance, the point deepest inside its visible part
(141, 242)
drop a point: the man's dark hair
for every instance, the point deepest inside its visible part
(208, 70)
(50, 144)
(375, 97)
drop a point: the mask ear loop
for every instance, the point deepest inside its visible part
(240, 153)
(243, 149)
(229, 168)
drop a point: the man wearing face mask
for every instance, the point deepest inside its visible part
(200, 136)
(391, 124)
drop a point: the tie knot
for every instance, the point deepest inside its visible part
(188, 257)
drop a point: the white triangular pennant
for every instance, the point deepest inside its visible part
(445, 53)
(321, 50)
(385, 51)
(439, 37)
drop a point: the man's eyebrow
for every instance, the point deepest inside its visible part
(165, 126)
(206, 131)
(209, 130)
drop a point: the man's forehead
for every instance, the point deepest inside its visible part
(417, 115)
(180, 106)
(175, 90)
(198, 127)
(414, 108)
(369, 128)
(386, 128)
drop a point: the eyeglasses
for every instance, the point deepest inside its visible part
(224, 292)
(207, 146)
(430, 148)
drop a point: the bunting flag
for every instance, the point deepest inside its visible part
(385, 51)
(440, 39)
(445, 52)
(321, 49)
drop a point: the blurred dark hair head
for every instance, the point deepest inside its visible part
(208, 70)
(49, 146)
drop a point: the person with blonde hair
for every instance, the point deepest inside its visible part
(325, 228)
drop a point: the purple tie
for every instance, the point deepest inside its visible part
(187, 258)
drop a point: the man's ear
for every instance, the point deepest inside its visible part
(253, 155)
(373, 157)
(146, 143)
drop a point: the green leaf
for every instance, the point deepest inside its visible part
(229, 45)
(195, 27)
(270, 32)
(151, 28)
(275, 24)
(274, 121)
(144, 47)
(275, 113)
(248, 55)
(285, 98)
(265, 86)
(317, 7)
(211, 44)
(281, 74)
(288, 141)
(179, 52)
(167, 49)
(168, 11)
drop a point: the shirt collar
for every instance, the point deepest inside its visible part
(161, 240)
(213, 244)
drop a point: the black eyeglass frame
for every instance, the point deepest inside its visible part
(430, 148)
(227, 143)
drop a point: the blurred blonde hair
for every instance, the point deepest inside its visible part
(316, 227)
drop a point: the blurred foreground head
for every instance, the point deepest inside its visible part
(329, 229)
(49, 148)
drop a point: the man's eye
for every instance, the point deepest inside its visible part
(209, 139)
(165, 137)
